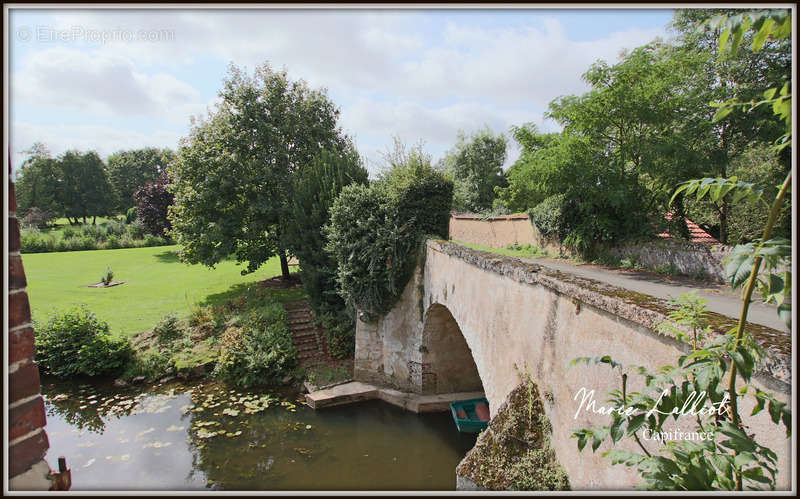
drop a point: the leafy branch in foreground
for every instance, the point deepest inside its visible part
(726, 456)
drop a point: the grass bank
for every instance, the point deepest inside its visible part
(156, 284)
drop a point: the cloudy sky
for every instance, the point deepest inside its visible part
(108, 80)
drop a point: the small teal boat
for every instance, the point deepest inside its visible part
(472, 415)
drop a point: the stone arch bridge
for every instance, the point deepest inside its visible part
(471, 321)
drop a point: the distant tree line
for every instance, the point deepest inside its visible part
(80, 185)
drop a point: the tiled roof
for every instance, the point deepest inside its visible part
(696, 234)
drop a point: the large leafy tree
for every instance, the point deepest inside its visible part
(476, 165)
(37, 181)
(727, 76)
(130, 170)
(232, 179)
(644, 126)
(83, 188)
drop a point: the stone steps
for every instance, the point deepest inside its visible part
(308, 338)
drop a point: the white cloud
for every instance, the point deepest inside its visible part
(392, 72)
(100, 83)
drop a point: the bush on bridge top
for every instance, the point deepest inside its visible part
(375, 232)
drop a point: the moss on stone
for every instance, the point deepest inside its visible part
(514, 452)
(200, 355)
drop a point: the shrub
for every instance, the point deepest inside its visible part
(77, 343)
(152, 364)
(33, 241)
(113, 242)
(135, 229)
(36, 217)
(108, 277)
(69, 231)
(114, 228)
(340, 329)
(547, 217)
(372, 251)
(151, 240)
(259, 351)
(375, 233)
(168, 330)
(130, 215)
(93, 232)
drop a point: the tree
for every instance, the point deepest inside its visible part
(530, 179)
(37, 181)
(233, 175)
(130, 170)
(153, 200)
(644, 126)
(476, 165)
(725, 76)
(315, 190)
(83, 187)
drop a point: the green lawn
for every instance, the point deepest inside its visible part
(156, 283)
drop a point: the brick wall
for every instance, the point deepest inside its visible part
(27, 439)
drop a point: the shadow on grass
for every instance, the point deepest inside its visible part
(167, 257)
(281, 295)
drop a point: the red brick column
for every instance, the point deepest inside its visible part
(27, 439)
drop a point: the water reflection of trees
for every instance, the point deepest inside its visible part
(88, 407)
(251, 460)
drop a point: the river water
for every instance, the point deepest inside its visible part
(200, 436)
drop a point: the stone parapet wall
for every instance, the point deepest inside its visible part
(28, 442)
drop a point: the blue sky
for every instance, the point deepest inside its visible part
(421, 75)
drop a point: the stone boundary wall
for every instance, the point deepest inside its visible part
(689, 258)
(500, 232)
(27, 440)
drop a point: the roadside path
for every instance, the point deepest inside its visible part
(721, 299)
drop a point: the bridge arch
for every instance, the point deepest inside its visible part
(447, 360)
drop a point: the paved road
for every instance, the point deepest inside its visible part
(720, 297)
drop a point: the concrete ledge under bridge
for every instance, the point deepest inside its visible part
(355, 391)
(474, 321)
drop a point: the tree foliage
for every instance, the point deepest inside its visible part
(37, 180)
(130, 170)
(233, 175)
(153, 200)
(315, 190)
(83, 189)
(645, 125)
(731, 459)
(476, 165)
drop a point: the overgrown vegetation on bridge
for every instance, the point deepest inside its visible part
(375, 232)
